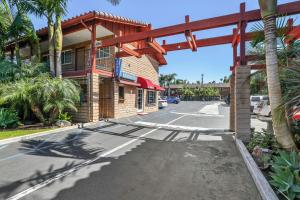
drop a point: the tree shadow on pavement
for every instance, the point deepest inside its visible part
(70, 147)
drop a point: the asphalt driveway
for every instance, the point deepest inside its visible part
(125, 160)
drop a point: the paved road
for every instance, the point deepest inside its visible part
(113, 161)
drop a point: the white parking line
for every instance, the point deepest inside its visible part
(212, 109)
(83, 164)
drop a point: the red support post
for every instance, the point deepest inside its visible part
(93, 47)
(243, 25)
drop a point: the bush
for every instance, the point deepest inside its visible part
(8, 118)
(285, 174)
(65, 117)
(262, 140)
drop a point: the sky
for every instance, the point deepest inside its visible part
(213, 62)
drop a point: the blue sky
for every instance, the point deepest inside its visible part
(213, 62)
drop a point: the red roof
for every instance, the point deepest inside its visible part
(92, 15)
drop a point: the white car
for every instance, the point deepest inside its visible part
(162, 103)
(255, 101)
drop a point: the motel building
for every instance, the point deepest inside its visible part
(111, 86)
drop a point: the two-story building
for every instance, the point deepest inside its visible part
(111, 87)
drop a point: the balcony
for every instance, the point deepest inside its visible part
(77, 61)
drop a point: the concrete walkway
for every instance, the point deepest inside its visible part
(128, 162)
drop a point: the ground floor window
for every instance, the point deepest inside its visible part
(151, 97)
(83, 93)
(121, 93)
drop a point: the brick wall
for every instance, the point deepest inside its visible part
(82, 114)
(145, 67)
(126, 107)
(242, 103)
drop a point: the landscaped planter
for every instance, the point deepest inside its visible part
(263, 186)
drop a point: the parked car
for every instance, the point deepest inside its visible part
(255, 101)
(175, 100)
(162, 103)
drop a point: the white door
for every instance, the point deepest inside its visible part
(139, 99)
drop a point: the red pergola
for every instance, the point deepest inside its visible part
(237, 38)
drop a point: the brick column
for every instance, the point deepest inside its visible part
(232, 102)
(94, 97)
(242, 103)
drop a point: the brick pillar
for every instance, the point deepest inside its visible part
(94, 97)
(242, 103)
(232, 102)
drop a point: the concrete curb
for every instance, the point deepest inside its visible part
(26, 137)
(263, 186)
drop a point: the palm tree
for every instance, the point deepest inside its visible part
(268, 12)
(53, 11)
(15, 26)
(170, 78)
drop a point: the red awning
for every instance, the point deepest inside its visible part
(130, 83)
(146, 83)
(158, 88)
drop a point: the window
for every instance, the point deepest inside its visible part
(66, 57)
(103, 53)
(151, 97)
(83, 93)
(121, 93)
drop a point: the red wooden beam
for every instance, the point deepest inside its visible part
(243, 25)
(157, 47)
(226, 20)
(258, 67)
(93, 46)
(191, 40)
(130, 51)
(293, 35)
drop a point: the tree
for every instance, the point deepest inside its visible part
(16, 26)
(170, 78)
(46, 97)
(53, 11)
(268, 12)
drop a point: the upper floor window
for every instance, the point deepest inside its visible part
(103, 53)
(66, 57)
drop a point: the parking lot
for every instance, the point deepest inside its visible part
(182, 152)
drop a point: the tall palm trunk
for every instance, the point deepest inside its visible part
(51, 47)
(58, 45)
(268, 12)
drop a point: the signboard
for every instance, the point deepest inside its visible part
(118, 67)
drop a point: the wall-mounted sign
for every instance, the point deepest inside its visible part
(128, 76)
(118, 67)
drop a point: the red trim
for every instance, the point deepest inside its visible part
(75, 73)
(103, 73)
(130, 83)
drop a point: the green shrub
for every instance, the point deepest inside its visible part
(263, 140)
(285, 174)
(65, 116)
(8, 118)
